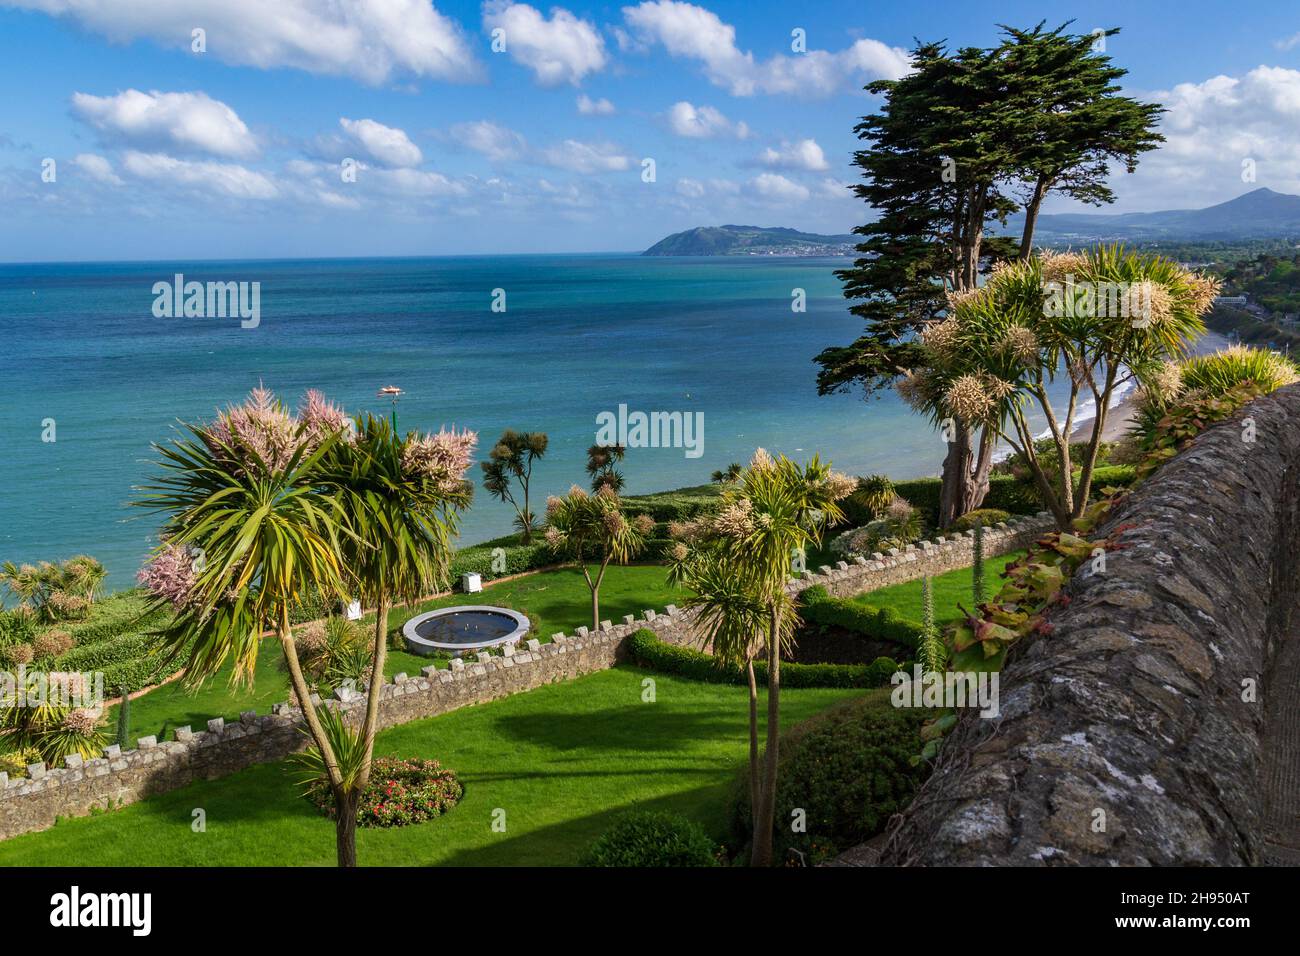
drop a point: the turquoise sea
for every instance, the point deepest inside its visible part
(580, 336)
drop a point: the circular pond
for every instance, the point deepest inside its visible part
(461, 629)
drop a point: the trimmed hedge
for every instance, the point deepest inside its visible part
(883, 623)
(988, 517)
(1006, 493)
(1121, 476)
(647, 650)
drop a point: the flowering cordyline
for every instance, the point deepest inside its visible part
(320, 418)
(1203, 290)
(961, 297)
(761, 460)
(1062, 266)
(442, 458)
(258, 431)
(1021, 344)
(839, 485)
(735, 519)
(82, 720)
(913, 387)
(969, 398)
(171, 575)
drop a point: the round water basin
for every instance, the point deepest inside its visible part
(460, 629)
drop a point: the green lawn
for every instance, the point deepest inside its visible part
(950, 589)
(553, 600)
(563, 761)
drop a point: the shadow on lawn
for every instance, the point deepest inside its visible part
(563, 844)
(623, 729)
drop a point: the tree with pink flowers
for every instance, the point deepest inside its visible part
(263, 506)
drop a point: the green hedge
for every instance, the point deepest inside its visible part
(648, 650)
(1121, 476)
(1006, 493)
(883, 623)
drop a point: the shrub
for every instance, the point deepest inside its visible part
(678, 505)
(647, 650)
(649, 838)
(16, 655)
(51, 644)
(1006, 493)
(63, 606)
(1116, 476)
(849, 769)
(988, 517)
(400, 792)
(898, 526)
(17, 626)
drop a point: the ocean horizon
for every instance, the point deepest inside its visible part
(580, 336)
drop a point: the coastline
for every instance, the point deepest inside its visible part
(1123, 410)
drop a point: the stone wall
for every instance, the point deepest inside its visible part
(1124, 738)
(153, 767)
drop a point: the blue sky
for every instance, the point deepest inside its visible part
(237, 151)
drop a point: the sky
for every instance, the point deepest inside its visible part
(146, 129)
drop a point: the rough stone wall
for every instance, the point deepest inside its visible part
(1123, 737)
(153, 767)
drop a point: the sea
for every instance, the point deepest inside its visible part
(98, 368)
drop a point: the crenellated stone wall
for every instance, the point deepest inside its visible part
(1156, 724)
(121, 777)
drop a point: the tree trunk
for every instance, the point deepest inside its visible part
(762, 853)
(378, 661)
(965, 474)
(755, 788)
(345, 825)
(1031, 219)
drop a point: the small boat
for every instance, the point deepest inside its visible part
(390, 390)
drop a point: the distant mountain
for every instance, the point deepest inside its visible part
(1260, 214)
(751, 241)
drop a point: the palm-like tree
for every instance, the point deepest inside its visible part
(775, 510)
(593, 528)
(246, 533)
(398, 501)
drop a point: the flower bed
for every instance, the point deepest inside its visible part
(400, 792)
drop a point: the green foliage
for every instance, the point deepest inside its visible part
(987, 517)
(931, 652)
(645, 648)
(124, 718)
(881, 624)
(874, 494)
(652, 839)
(56, 592)
(400, 792)
(849, 770)
(1006, 493)
(678, 505)
(1186, 419)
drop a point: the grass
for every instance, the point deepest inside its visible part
(562, 761)
(553, 600)
(950, 589)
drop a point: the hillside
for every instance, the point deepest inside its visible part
(1257, 214)
(751, 241)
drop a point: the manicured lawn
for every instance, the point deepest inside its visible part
(950, 589)
(563, 761)
(553, 600)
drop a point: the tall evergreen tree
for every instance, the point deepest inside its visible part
(956, 146)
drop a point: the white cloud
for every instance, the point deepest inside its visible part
(189, 121)
(776, 187)
(229, 179)
(589, 107)
(560, 50)
(803, 154)
(580, 157)
(1288, 43)
(416, 182)
(497, 143)
(692, 32)
(702, 122)
(385, 144)
(371, 40)
(690, 188)
(97, 168)
(1213, 126)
